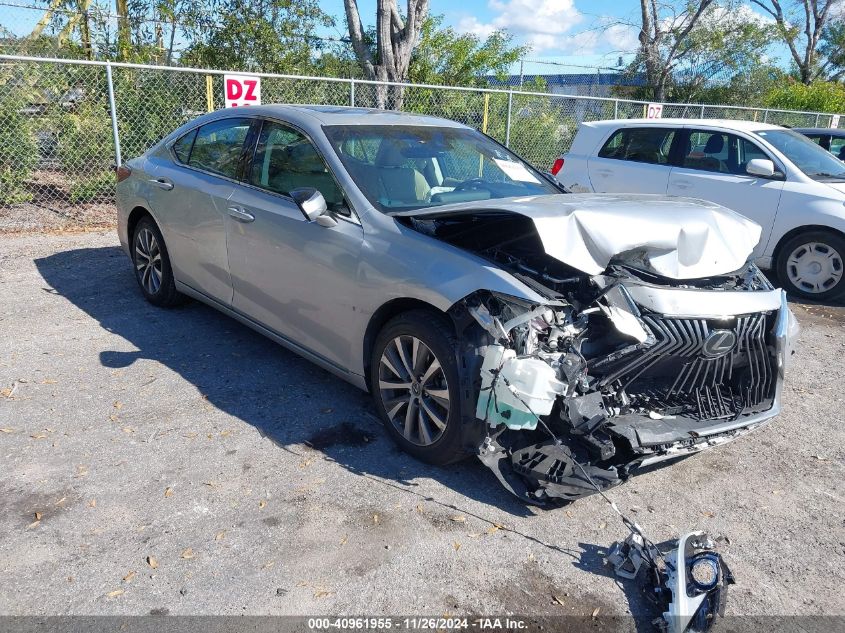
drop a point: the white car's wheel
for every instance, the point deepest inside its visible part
(812, 265)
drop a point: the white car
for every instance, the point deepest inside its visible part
(780, 179)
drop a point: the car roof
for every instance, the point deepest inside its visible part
(728, 124)
(347, 115)
(820, 130)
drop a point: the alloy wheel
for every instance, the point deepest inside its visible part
(814, 267)
(148, 260)
(413, 390)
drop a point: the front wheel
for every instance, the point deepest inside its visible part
(810, 265)
(416, 388)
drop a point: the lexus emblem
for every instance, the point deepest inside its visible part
(718, 343)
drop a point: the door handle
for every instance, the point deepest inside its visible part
(162, 183)
(241, 215)
(604, 172)
(682, 184)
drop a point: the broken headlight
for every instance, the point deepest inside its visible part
(697, 578)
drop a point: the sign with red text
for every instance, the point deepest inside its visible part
(241, 90)
(654, 111)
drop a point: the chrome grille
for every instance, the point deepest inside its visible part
(675, 376)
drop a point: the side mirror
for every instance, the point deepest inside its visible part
(310, 201)
(761, 167)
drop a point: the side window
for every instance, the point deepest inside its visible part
(837, 146)
(182, 147)
(285, 160)
(217, 147)
(748, 151)
(709, 151)
(640, 145)
(816, 138)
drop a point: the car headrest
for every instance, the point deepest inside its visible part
(715, 144)
(390, 155)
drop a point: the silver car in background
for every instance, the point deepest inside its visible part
(567, 340)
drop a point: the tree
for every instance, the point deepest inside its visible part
(444, 56)
(664, 28)
(819, 96)
(832, 51)
(395, 41)
(726, 46)
(254, 35)
(802, 31)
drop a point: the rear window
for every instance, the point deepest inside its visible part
(640, 145)
(217, 147)
(182, 147)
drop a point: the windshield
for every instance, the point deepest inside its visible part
(813, 160)
(399, 168)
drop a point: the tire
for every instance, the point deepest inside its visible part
(155, 280)
(437, 381)
(810, 265)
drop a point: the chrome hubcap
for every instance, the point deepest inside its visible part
(413, 390)
(814, 267)
(148, 261)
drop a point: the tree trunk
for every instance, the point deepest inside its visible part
(124, 36)
(395, 42)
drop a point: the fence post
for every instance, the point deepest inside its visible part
(508, 124)
(113, 111)
(817, 119)
(766, 116)
(702, 112)
(616, 108)
(352, 92)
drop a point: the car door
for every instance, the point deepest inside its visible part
(712, 166)
(294, 276)
(633, 160)
(190, 193)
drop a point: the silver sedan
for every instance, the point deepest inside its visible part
(487, 312)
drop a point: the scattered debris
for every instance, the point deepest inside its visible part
(689, 581)
(152, 562)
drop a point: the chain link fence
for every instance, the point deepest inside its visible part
(61, 134)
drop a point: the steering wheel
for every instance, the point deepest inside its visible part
(472, 183)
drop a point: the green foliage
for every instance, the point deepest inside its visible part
(18, 154)
(443, 56)
(92, 188)
(270, 36)
(832, 50)
(84, 139)
(819, 96)
(742, 89)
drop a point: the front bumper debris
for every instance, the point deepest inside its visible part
(690, 582)
(565, 422)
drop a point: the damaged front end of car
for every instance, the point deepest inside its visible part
(615, 370)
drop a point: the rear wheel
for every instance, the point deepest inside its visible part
(810, 265)
(415, 385)
(152, 265)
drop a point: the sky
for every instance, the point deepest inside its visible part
(591, 33)
(565, 35)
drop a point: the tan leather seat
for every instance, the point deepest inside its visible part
(396, 180)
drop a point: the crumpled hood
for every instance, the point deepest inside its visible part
(679, 238)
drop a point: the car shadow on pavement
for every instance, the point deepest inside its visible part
(286, 398)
